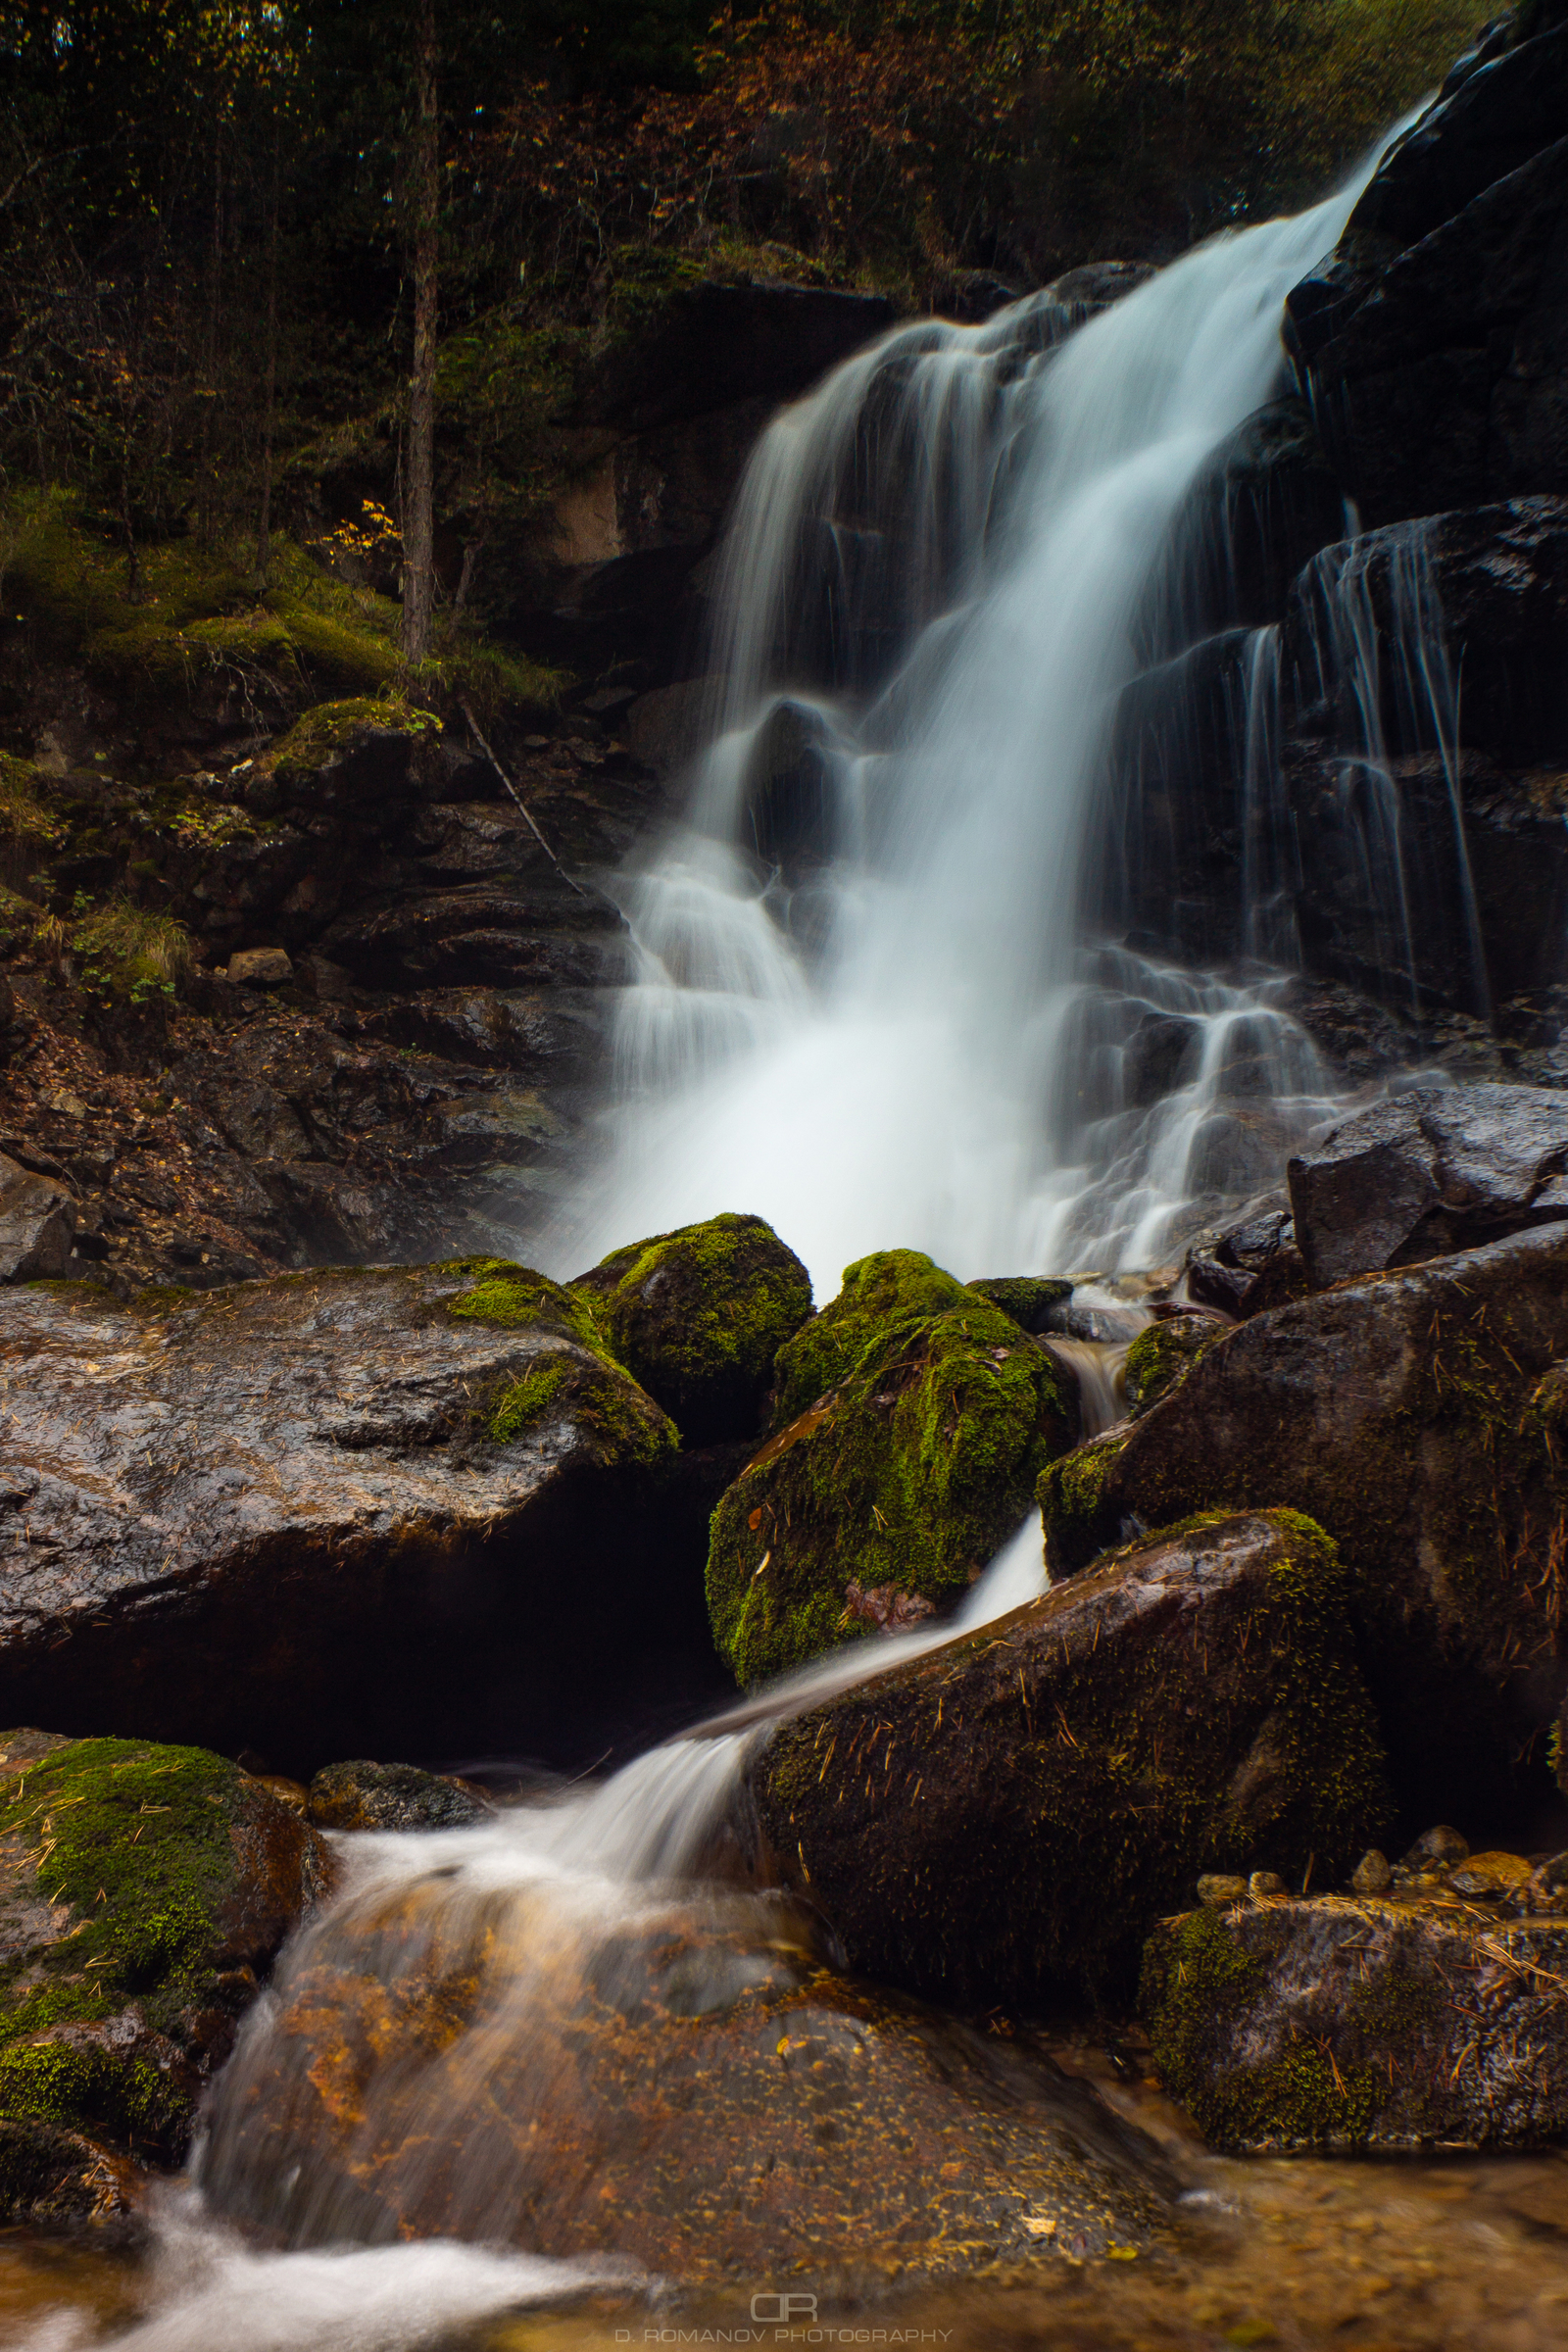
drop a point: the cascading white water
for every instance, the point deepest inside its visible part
(866, 1004)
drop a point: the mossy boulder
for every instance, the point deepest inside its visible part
(1035, 1302)
(1013, 1811)
(1398, 1412)
(1362, 2024)
(911, 1420)
(698, 1316)
(144, 1891)
(1165, 1353)
(287, 1516)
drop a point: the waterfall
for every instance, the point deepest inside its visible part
(876, 997)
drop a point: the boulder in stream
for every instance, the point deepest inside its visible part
(1013, 1810)
(390, 1796)
(1415, 1416)
(1430, 1172)
(910, 1420)
(698, 1316)
(1369, 2022)
(144, 1891)
(292, 1515)
(690, 2085)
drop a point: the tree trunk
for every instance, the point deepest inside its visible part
(419, 522)
(264, 525)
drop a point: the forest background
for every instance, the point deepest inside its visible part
(221, 216)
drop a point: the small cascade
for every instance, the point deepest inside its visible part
(528, 1915)
(1373, 671)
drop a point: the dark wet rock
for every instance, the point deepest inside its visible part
(1373, 1406)
(1014, 1810)
(1362, 2024)
(288, 1514)
(390, 1796)
(910, 1419)
(1499, 116)
(1499, 574)
(1093, 286)
(50, 2177)
(144, 1891)
(715, 345)
(1258, 509)
(1441, 370)
(698, 1316)
(37, 1224)
(1033, 1300)
(745, 2112)
(1428, 1172)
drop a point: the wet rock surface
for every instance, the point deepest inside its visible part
(390, 1796)
(1371, 2021)
(1412, 1417)
(1011, 1812)
(743, 2110)
(1429, 1173)
(144, 1891)
(698, 1318)
(910, 1419)
(286, 1515)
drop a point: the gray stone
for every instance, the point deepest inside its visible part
(1391, 2022)
(37, 1225)
(1428, 1173)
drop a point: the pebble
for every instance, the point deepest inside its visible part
(1371, 1874)
(1218, 1893)
(1267, 1886)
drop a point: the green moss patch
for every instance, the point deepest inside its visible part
(134, 1840)
(698, 1318)
(912, 1421)
(515, 1297)
(330, 727)
(125, 952)
(1162, 1355)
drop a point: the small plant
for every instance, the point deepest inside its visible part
(125, 954)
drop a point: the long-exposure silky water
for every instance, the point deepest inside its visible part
(870, 1001)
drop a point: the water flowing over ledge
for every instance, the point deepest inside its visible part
(877, 992)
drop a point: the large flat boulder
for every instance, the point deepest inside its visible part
(741, 2111)
(144, 1891)
(1414, 1415)
(294, 1516)
(1014, 1810)
(1427, 1173)
(1365, 2022)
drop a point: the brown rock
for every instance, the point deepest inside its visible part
(1014, 1810)
(285, 1514)
(741, 2110)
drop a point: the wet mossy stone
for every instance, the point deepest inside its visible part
(1163, 1354)
(1016, 1809)
(911, 1420)
(698, 1316)
(1365, 2022)
(144, 1891)
(390, 1796)
(1031, 1299)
